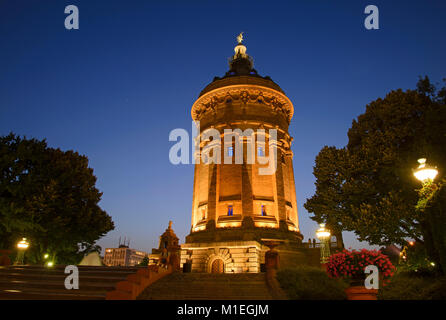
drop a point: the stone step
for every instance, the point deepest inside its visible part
(252, 291)
(216, 277)
(204, 286)
(41, 283)
(61, 278)
(62, 267)
(42, 295)
(205, 294)
(207, 297)
(56, 285)
(60, 273)
(102, 275)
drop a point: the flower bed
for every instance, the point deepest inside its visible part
(351, 264)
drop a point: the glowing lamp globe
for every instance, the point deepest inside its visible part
(424, 172)
(322, 233)
(23, 244)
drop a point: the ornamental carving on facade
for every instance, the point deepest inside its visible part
(245, 94)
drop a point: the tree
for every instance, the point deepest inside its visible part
(368, 186)
(50, 197)
(144, 262)
(432, 206)
(327, 202)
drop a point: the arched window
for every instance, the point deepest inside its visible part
(263, 210)
(230, 210)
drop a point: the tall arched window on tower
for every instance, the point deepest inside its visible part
(230, 210)
(260, 152)
(263, 210)
(230, 151)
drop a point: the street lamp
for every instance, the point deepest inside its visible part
(323, 235)
(22, 246)
(425, 172)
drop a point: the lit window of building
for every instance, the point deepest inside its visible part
(123, 256)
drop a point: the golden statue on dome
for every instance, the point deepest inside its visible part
(240, 38)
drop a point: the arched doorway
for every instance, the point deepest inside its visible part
(217, 266)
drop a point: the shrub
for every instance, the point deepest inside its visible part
(414, 257)
(412, 286)
(144, 262)
(351, 264)
(310, 283)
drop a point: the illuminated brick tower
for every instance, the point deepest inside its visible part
(234, 205)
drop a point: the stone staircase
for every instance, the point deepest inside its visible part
(208, 286)
(41, 283)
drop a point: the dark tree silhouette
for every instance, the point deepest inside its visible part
(368, 186)
(48, 196)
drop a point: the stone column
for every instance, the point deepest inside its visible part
(247, 197)
(280, 188)
(212, 194)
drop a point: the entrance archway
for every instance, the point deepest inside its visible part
(217, 266)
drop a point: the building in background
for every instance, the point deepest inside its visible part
(123, 256)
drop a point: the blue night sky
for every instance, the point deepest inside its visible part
(115, 88)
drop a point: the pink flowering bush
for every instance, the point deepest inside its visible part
(351, 264)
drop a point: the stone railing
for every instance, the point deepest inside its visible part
(333, 244)
(136, 283)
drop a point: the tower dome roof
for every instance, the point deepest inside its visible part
(241, 71)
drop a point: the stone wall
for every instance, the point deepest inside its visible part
(237, 256)
(244, 256)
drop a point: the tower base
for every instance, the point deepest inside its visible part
(242, 256)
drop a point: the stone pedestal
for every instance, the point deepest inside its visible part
(4, 257)
(174, 257)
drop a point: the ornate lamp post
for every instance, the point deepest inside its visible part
(433, 222)
(323, 235)
(22, 246)
(426, 174)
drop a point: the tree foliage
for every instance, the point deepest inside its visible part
(48, 196)
(368, 186)
(432, 205)
(144, 262)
